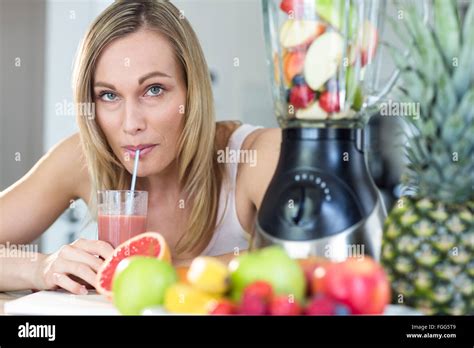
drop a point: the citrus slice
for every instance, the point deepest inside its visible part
(150, 244)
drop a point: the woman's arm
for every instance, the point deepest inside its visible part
(29, 207)
(33, 203)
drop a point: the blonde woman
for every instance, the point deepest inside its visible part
(142, 66)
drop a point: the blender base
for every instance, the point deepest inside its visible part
(363, 238)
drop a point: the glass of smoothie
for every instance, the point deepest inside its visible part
(121, 215)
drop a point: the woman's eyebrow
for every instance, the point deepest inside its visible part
(103, 84)
(140, 80)
(152, 74)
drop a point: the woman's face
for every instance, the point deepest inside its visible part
(140, 97)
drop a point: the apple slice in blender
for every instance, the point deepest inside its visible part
(322, 59)
(294, 33)
(312, 112)
(369, 43)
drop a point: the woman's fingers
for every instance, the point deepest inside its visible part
(79, 255)
(63, 281)
(95, 247)
(78, 269)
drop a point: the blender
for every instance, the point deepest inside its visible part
(325, 66)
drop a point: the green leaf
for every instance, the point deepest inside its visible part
(446, 27)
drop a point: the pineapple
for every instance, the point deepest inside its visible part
(428, 242)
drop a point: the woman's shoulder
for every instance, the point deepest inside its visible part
(67, 157)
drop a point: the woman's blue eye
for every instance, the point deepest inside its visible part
(154, 91)
(108, 96)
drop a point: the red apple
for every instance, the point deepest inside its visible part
(359, 283)
(282, 305)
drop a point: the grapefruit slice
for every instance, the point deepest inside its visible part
(150, 244)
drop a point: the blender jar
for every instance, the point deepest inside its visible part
(322, 53)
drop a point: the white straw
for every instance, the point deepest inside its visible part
(134, 180)
(135, 168)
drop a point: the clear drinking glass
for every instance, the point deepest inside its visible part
(122, 214)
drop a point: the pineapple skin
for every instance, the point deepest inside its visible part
(428, 253)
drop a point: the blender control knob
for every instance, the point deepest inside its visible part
(302, 204)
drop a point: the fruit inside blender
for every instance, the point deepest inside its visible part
(320, 60)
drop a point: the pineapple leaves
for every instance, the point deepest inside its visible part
(446, 28)
(464, 68)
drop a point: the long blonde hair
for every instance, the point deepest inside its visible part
(200, 176)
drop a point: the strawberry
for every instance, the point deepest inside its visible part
(294, 8)
(224, 307)
(329, 102)
(281, 305)
(253, 305)
(301, 96)
(259, 289)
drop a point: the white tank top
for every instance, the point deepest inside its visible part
(229, 235)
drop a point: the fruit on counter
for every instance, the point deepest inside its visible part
(369, 43)
(309, 267)
(322, 59)
(324, 305)
(182, 272)
(270, 264)
(293, 63)
(295, 33)
(184, 299)
(359, 283)
(224, 307)
(312, 112)
(329, 101)
(294, 8)
(146, 244)
(141, 282)
(260, 289)
(301, 96)
(284, 305)
(208, 274)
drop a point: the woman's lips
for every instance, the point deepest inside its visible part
(143, 150)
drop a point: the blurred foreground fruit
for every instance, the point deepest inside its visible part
(141, 282)
(272, 265)
(146, 244)
(185, 299)
(360, 283)
(209, 274)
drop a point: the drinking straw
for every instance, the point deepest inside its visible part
(134, 180)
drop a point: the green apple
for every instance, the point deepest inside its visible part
(270, 264)
(332, 11)
(140, 282)
(354, 91)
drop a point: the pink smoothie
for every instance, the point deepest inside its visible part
(116, 229)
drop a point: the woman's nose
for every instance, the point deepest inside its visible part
(134, 121)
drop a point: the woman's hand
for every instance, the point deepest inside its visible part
(71, 265)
